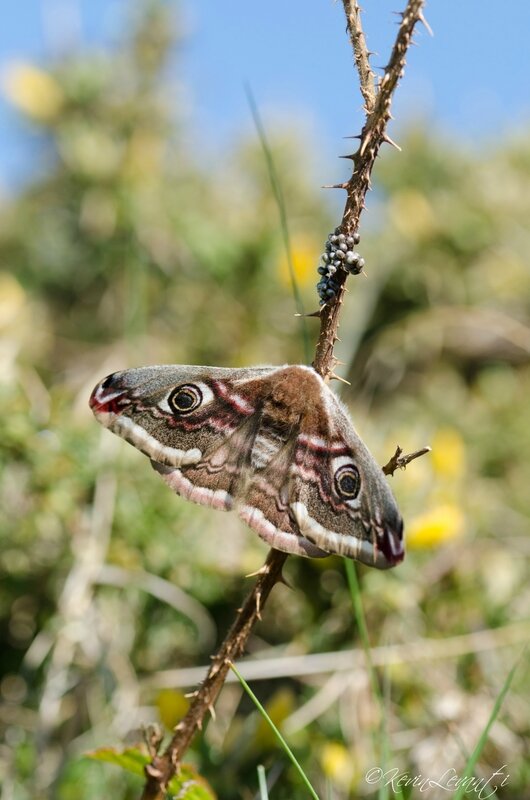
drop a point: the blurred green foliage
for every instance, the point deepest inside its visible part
(130, 251)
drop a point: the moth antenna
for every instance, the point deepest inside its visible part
(192, 694)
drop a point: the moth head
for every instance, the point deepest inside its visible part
(152, 388)
(106, 397)
(156, 410)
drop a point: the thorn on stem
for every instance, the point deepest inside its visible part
(281, 579)
(365, 143)
(153, 772)
(312, 314)
(261, 571)
(425, 24)
(388, 140)
(338, 378)
(335, 186)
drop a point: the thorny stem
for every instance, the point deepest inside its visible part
(372, 137)
(163, 767)
(360, 53)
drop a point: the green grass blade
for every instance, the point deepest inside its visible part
(262, 781)
(355, 593)
(475, 755)
(278, 194)
(381, 741)
(276, 732)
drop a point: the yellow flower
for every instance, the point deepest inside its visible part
(305, 255)
(411, 214)
(448, 453)
(436, 526)
(172, 706)
(337, 763)
(33, 91)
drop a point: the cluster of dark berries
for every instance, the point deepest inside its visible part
(339, 255)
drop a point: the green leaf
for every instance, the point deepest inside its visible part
(187, 785)
(132, 759)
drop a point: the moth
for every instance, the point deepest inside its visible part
(273, 443)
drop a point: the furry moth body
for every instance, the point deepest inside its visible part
(273, 443)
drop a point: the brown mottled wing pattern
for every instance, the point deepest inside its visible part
(294, 501)
(272, 442)
(366, 527)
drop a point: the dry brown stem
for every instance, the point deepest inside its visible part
(400, 461)
(372, 137)
(360, 53)
(377, 103)
(163, 767)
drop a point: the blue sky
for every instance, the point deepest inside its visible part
(469, 81)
